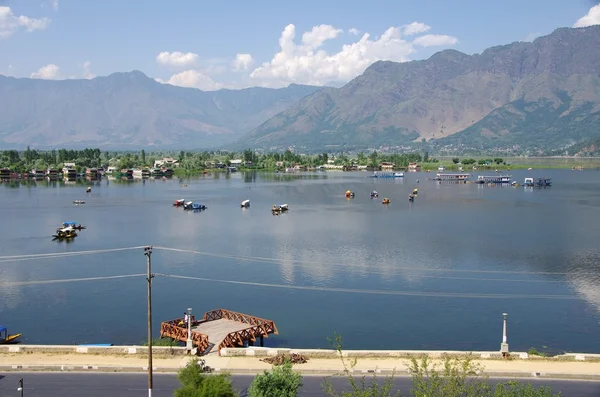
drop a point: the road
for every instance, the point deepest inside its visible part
(60, 384)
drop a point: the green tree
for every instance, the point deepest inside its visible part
(197, 384)
(143, 157)
(282, 381)
(456, 160)
(498, 160)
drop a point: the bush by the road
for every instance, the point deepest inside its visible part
(195, 383)
(282, 381)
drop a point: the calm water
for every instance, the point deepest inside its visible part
(434, 274)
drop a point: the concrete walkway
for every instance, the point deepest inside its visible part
(249, 365)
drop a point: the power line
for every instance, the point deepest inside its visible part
(378, 292)
(60, 254)
(67, 280)
(344, 265)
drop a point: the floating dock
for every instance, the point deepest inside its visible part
(219, 329)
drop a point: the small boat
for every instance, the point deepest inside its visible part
(415, 191)
(385, 200)
(179, 203)
(73, 225)
(78, 202)
(277, 209)
(245, 204)
(198, 207)
(88, 190)
(65, 233)
(349, 194)
(5, 337)
(411, 197)
(374, 194)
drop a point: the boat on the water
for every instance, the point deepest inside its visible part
(190, 205)
(65, 233)
(387, 174)
(349, 194)
(179, 203)
(5, 337)
(245, 204)
(278, 209)
(411, 197)
(482, 179)
(78, 202)
(451, 177)
(374, 194)
(386, 200)
(538, 182)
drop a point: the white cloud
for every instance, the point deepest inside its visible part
(55, 4)
(48, 72)
(87, 73)
(591, 18)
(354, 31)
(319, 34)
(193, 78)
(432, 40)
(177, 59)
(242, 61)
(414, 28)
(9, 22)
(307, 64)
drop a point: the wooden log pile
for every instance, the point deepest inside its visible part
(281, 359)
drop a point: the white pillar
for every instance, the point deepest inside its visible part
(189, 345)
(504, 344)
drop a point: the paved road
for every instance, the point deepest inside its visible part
(58, 384)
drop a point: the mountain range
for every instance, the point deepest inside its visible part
(536, 96)
(540, 94)
(131, 110)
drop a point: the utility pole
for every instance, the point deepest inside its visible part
(149, 277)
(20, 388)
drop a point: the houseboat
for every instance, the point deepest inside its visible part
(452, 177)
(38, 174)
(5, 173)
(52, 174)
(141, 173)
(387, 174)
(538, 182)
(156, 172)
(69, 171)
(414, 167)
(482, 179)
(91, 173)
(125, 173)
(168, 172)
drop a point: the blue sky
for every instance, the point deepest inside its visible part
(234, 44)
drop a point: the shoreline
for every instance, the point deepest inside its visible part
(45, 358)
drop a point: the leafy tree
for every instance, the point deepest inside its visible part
(498, 160)
(456, 160)
(143, 157)
(196, 384)
(281, 382)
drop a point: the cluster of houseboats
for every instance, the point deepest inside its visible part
(492, 180)
(69, 173)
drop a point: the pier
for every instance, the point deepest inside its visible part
(219, 329)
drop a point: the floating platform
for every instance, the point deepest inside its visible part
(219, 329)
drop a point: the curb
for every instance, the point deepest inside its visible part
(256, 371)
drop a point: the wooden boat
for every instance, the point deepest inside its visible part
(386, 200)
(78, 202)
(277, 209)
(5, 337)
(349, 194)
(245, 204)
(65, 233)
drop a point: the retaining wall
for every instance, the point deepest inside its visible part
(103, 350)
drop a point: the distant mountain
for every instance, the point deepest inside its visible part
(544, 94)
(131, 110)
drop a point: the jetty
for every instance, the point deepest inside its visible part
(219, 329)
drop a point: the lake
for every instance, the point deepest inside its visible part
(434, 274)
